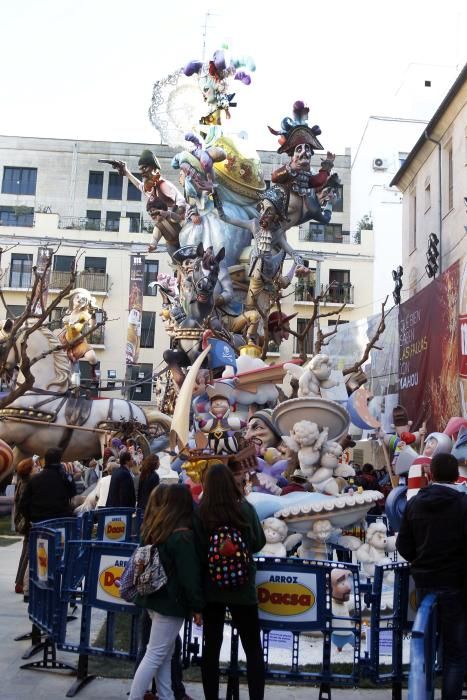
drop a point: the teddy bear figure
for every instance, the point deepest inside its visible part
(275, 531)
(373, 550)
(306, 440)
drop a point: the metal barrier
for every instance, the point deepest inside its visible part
(112, 524)
(423, 651)
(393, 609)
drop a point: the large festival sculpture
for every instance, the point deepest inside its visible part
(226, 235)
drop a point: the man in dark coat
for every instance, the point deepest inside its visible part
(433, 538)
(49, 493)
(122, 488)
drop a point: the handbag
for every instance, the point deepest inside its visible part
(143, 575)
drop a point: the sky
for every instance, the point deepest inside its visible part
(85, 69)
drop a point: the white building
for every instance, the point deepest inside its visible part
(383, 147)
(55, 193)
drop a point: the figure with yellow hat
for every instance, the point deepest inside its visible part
(79, 319)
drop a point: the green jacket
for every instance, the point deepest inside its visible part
(254, 536)
(182, 594)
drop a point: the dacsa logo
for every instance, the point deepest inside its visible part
(285, 599)
(109, 580)
(115, 529)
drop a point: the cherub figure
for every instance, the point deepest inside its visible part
(314, 377)
(306, 440)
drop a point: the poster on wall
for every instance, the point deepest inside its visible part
(463, 338)
(428, 352)
(135, 308)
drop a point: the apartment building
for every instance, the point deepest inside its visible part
(55, 193)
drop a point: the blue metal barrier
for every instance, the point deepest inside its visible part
(110, 524)
(393, 615)
(67, 528)
(423, 651)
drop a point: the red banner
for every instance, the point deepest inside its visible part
(135, 309)
(428, 353)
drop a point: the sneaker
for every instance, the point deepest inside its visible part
(149, 696)
(18, 588)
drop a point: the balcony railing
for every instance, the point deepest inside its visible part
(83, 223)
(92, 281)
(334, 293)
(337, 293)
(324, 236)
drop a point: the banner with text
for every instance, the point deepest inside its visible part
(135, 309)
(428, 352)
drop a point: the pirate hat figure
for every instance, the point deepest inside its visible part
(279, 198)
(220, 390)
(148, 159)
(278, 320)
(296, 131)
(187, 252)
(400, 417)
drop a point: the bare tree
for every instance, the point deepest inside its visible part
(357, 366)
(24, 325)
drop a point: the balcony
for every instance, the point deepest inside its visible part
(324, 233)
(84, 223)
(96, 337)
(97, 282)
(334, 293)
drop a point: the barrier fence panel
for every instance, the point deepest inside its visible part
(45, 608)
(110, 524)
(393, 610)
(423, 651)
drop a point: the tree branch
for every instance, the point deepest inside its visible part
(371, 343)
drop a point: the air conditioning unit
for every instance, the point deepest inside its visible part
(380, 164)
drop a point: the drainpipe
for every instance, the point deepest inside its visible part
(440, 200)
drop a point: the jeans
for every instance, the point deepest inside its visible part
(157, 659)
(176, 662)
(452, 613)
(245, 620)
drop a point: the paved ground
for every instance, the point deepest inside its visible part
(17, 684)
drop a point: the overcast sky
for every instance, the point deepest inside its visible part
(85, 69)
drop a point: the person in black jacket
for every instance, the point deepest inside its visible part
(433, 538)
(48, 494)
(148, 480)
(122, 488)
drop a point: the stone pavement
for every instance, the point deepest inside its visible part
(17, 684)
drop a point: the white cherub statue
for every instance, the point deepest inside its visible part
(373, 550)
(314, 376)
(323, 479)
(275, 531)
(306, 440)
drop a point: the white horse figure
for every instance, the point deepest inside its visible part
(45, 415)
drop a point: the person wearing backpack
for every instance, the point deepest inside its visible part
(169, 527)
(229, 534)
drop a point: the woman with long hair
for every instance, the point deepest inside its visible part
(169, 527)
(226, 516)
(148, 480)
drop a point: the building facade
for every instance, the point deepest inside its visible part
(55, 193)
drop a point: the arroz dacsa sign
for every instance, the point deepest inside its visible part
(108, 579)
(114, 528)
(286, 597)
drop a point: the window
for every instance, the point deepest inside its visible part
(115, 186)
(135, 221)
(148, 324)
(56, 316)
(95, 184)
(450, 177)
(88, 382)
(267, 183)
(143, 391)
(151, 269)
(427, 194)
(134, 194)
(20, 270)
(16, 216)
(330, 233)
(338, 205)
(308, 346)
(340, 289)
(95, 264)
(305, 289)
(19, 180)
(112, 221)
(427, 83)
(93, 220)
(63, 263)
(13, 311)
(412, 221)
